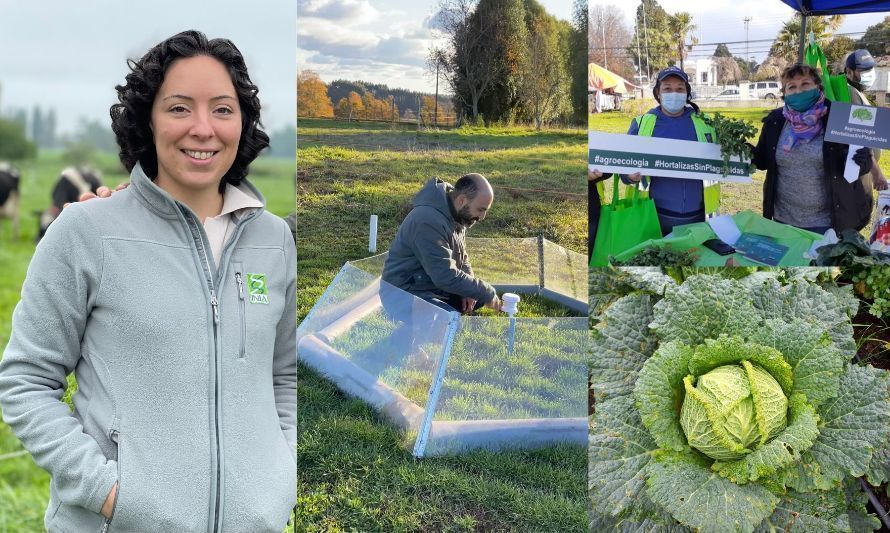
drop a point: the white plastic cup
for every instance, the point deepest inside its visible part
(372, 238)
(510, 302)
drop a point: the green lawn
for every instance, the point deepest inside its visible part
(735, 197)
(354, 472)
(24, 487)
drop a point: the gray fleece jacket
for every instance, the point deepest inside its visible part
(186, 371)
(428, 256)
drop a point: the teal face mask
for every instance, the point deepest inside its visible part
(802, 101)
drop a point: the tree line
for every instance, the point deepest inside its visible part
(502, 61)
(357, 100)
(659, 39)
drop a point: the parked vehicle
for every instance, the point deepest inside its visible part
(769, 90)
(727, 94)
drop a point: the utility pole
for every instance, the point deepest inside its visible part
(646, 33)
(747, 20)
(603, 27)
(639, 56)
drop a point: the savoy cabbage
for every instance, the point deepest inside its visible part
(733, 405)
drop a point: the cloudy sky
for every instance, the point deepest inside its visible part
(722, 21)
(70, 55)
(381, 41)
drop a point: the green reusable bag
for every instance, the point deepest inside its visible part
(835, 87)
(623, 224)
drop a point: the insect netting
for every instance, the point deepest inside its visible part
(452, 382)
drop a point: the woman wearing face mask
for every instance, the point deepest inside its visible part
(678, 201)
(805, 185)
(860, 71)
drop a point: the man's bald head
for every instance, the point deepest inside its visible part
(472, 198)
(472, 184)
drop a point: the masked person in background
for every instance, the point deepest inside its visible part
(678, 201)
(805, 185)
(860, 71)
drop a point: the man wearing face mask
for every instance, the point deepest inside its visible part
(860, 71)
(428, 256)
(678, 201)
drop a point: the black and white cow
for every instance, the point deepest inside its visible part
(73, 182)
(9, 195)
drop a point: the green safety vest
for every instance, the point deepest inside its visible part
(705, 134)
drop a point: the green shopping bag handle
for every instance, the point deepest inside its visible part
(814, 56)
(616, 179)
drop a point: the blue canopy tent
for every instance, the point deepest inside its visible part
(832, 7)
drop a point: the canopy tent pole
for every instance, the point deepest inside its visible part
(803, 35)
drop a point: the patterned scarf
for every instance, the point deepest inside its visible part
(804, 124)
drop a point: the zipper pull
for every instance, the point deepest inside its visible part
(240, 285)
(105, 525)
(215, 304)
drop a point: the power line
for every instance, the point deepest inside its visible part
(724, 42)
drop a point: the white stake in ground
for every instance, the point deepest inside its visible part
(372, 237)
(511, 304)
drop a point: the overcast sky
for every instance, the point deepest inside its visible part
(723, 21)
(70, 55)
(381, 41)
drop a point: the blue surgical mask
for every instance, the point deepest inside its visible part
(673, 102)
(802, 101)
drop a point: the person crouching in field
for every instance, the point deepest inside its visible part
(678, 201)
(428, 259)
(805, 185)
(173, 302)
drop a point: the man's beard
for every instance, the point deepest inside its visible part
(465, 218)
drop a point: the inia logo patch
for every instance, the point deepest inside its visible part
(256, 288)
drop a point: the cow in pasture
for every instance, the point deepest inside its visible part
(10, 196)
(73, 182)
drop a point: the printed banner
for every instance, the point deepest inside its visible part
(859, 125)
(653, 156)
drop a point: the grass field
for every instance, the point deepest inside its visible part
(354, 473)
(735, 197)
(24, 487)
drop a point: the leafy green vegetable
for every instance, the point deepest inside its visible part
(873, 283)
(732, 134)
(850, 250)
(660, 256)
(732, 405)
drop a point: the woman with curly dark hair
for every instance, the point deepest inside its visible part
(173, 302)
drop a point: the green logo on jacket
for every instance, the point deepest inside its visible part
(256, 288)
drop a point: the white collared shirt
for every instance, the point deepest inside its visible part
(220, 228)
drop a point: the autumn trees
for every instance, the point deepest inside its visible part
(313, 101)
(505, 61)
(312, 96)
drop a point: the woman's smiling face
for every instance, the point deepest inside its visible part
(196, 124)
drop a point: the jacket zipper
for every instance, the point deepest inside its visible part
(214, 304)
(191, 221)
(115, 436)
(243, 314)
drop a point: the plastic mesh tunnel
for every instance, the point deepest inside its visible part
(448, 380)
